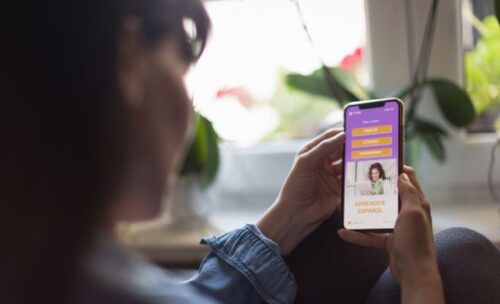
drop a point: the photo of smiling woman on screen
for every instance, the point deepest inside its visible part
(376, 175)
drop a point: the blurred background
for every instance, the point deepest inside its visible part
(277, 72)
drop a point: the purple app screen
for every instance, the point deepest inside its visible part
(371, 166)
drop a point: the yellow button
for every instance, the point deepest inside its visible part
(372, 130)
(371, 153)
(371, 142)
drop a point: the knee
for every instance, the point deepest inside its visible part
(467, 258)
(461, 235)
(463, 241)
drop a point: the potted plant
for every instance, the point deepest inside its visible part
(454, 102)
(186, 207)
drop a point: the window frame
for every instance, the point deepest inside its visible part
(390, 54)
(463, 177)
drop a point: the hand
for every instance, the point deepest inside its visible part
(412, 254)
(310, 194)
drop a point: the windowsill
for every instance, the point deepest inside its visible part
(481, 138)
(184, 251)
(241, 196)
(483, 218)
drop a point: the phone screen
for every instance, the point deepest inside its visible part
(371, 167)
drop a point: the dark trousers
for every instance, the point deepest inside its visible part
(329, 270)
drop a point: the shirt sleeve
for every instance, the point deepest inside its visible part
(244, 267)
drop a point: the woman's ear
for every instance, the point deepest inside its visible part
(130, 65)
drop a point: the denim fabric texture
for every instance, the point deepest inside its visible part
(245, 267)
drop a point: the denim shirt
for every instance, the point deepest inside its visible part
(244, 266)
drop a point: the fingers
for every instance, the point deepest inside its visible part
(332, 183)
(408, 193)
(413, 178)
(333, 167)
(410, 172)
(337, 167)
(331, 146)
(315, 141)
(427, 209)
(364, 239)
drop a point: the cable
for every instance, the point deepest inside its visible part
(335, 89)
(429, 33)
(410, 33)
(420, 73)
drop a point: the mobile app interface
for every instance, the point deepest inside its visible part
(371, 166)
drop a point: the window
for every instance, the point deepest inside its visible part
(239, 82)
(481, 46)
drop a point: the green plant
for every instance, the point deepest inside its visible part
(299, 111)
(454, 103)
(455, 106)
(202, 158)
(482, 65)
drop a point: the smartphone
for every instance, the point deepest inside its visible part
(373, 160)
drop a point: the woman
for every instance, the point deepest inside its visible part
(94, 122)
(376, 175)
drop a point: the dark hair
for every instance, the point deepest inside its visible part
(380, 169)
(62, 127)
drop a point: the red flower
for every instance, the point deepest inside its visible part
(351, 61)
(239, 93)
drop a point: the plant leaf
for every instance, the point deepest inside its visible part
(420, 125)
(434, 142)
(453, 101)
(209, 171)
(430, 134)
(309, 84)
(202, 157)
(401, 93)
(354, 89)
(192, 162)
(316, 84)
(372, 95)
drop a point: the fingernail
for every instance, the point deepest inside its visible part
(405, 177)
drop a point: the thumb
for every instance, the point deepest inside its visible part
(326, 147)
